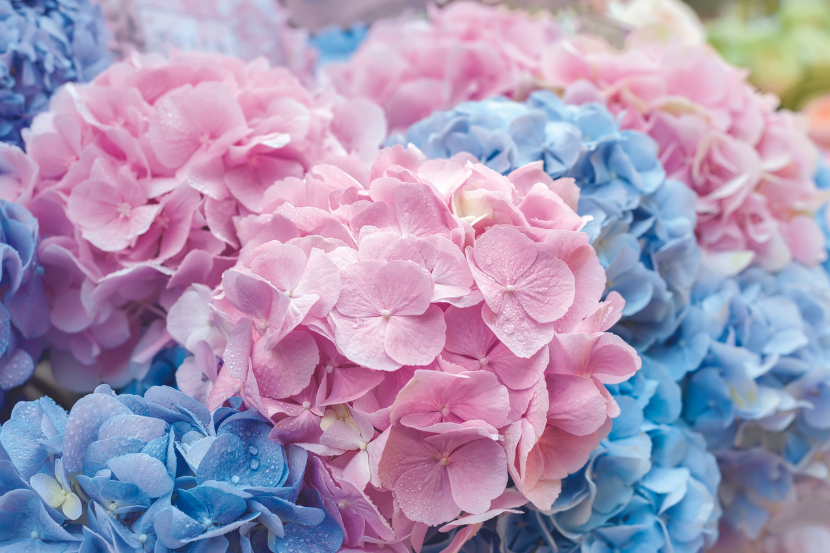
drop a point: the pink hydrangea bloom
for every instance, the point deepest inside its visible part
(751, 165)
(424, 345)
(466, 52)
(140, 177)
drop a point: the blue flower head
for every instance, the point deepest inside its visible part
(24, 313)
(153, 474)
(44, 44)
(642, 225)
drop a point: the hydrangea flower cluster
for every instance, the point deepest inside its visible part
(750, 165)
(466, 51)
(154, 474)
(641, 224)
(427, 334)
(142, 175)
(24, 313)
(756, 350)
(46, 43)
(651, 486)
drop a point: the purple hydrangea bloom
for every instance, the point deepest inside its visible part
(125, 473)
(24, 313)
(44, 44)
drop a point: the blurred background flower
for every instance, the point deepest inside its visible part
(45, 43)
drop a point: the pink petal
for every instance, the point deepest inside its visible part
(255, 297)
(546, 291)
(286, 368)
(478, 474)
(432, 397)
(416, 340)
(189, 118)
(576, 405)
(521, 334)
(280, 264)
(363, 340)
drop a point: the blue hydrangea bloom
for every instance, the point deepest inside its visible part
(124, 473)
(757, 350)
(24, 313)
(335, 44)
(642, 224)
(45, 43)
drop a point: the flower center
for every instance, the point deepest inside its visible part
(124, 209)
(208, 523)
(205, 139)
(445, 411)
(234, 479)
(362, 446)
(444, 460)
(342, 504)
(484, 361)
(112, 507)
(386, 313)
(142, 538)
(306, 405)
(329, 369)
(509, 288)
(35, 535)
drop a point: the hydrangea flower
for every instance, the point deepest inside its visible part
(138, 192)
(465, 52)
(750, 165)
(46, 43)
(159, 472)
(754, 348)
(428, 332)
(245, 29)
(24, 313)
(641, 224)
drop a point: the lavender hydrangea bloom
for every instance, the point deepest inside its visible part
(153, 474)
(24, 314)
(642, 224)
(45, 43)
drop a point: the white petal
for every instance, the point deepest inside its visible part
(72, 507)
(48, 488)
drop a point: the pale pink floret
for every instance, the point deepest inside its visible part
(433, 397)
(384, 319)
(472, 345)
(526, 288)
(435, 477)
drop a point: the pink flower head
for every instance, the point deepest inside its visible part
(751, 165)
(425, 343)
(526, 288)
(436, 476)
(384, 318)
(466, 52)
(143, 176)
